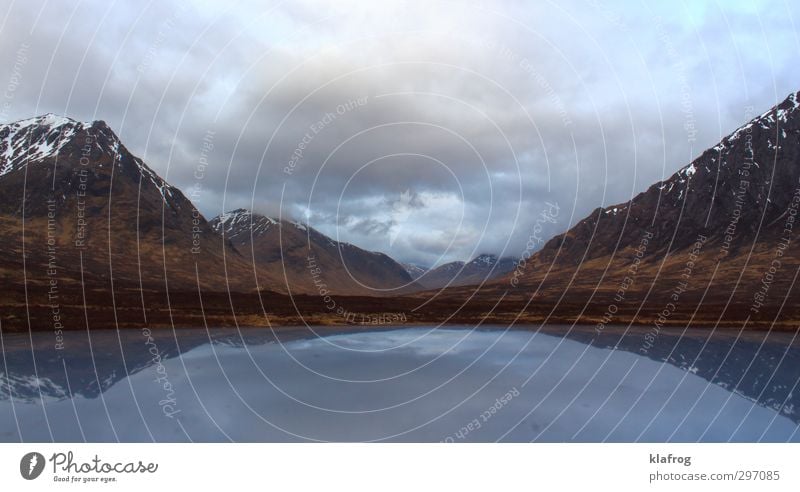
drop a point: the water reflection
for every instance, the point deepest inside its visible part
(405, 384)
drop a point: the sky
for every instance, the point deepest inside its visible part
(429, 130)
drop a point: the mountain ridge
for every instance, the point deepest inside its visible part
(305, 256)
(709, 236)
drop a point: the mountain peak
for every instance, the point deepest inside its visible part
(239, 221)
(41, 137)
(776, 116)
(62, 144)
(485, 259)
(47, 119)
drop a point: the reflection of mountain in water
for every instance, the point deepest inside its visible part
(764, 371)
(88, 369)
(766, 374)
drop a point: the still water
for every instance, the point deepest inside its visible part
(426, 384)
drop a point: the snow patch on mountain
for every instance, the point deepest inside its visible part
(415, 271)
(236, 222)
(34, 139)
(484, 260)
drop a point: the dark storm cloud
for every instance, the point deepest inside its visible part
(408, 127)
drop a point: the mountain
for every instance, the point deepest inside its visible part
(82, 198)
(745, 182)
(482, 268)
(715, 241)
(309, 261)
(85, 222)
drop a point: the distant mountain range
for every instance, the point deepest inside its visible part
(482, 268)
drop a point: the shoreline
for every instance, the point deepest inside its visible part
(554, 325)
(135, 309)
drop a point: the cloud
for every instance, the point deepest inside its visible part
(482, 113)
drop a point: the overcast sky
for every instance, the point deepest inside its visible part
(431, 131)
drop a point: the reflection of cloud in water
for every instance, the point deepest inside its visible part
(420, 342)
(410, 384)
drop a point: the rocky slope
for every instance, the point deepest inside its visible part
(745, 183)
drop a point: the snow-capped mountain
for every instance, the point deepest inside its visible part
(482, 268)
(103, 212)
(35, 139)
(744, 184)
(718, 235)
(50, 138)
(304, 255)
(240, 222)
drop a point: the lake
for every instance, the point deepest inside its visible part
(429, 384)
